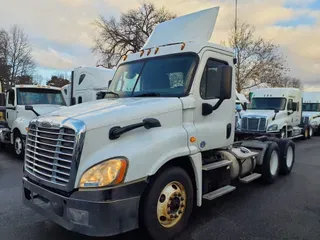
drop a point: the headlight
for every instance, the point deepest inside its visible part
(314, 124)
(273, 127)
(110, 172)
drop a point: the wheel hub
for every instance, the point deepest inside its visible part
(171, 204)
(18, 145)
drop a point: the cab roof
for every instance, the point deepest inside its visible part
(36, 86)
(189, 33)
(277, 92)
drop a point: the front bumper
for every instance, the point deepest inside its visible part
(91, 212)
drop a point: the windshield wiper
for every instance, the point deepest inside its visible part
(150, 94)
(113, 93)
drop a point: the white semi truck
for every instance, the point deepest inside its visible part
(23, 103)
(311, 111)
(274, 111)
(146, 155)
(87, 84)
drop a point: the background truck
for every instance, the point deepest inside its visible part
(311, 111)
(146, 155)
(274, 111)
(23, 103)
(2, 105)
(87, 84)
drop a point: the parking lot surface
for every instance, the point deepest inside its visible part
(287, 209)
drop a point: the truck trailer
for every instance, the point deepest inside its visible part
(158, 145)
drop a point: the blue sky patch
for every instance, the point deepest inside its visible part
(302, 20)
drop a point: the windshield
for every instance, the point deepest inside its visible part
(311, 107)
(268, 103)
(34, 96)
(163, 76)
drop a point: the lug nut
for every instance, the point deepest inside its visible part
(179, 195)
(176, 216)
(182, 199)
(172, 216)
(180, 212)
(182, 205)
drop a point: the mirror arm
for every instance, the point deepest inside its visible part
(217, 105)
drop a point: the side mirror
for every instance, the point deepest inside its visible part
(224, 73)
(294, 107)
(28, 108)
(109, 83)
(245, 106)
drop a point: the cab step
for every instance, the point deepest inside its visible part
(216, 165)
(250, 178)
(219, 192)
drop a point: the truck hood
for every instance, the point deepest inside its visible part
(258, 113)
(100, 113)
(310, 114)
(44, 109)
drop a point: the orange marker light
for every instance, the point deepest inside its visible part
(141, 53)
(156, 51)
(193, 139)
(125, 57)
(149, 51)
(183, 46)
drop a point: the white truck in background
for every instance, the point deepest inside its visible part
(311, 111)
(23, 103)
(146, 155)
(87, 84)
(274, 111)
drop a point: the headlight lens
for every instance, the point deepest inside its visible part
(273, 127)
(110, 172)
(314, 123)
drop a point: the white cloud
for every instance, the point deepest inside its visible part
(68, 23)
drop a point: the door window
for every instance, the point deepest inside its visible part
(11, 97)
(210, 82)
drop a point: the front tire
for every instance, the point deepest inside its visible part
(18, 146)
(167, 204)
(271, 164)
(310, 135)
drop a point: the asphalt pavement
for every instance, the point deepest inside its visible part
(288, 209)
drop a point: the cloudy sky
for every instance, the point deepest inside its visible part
(61, 31)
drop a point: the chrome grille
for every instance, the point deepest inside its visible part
(49, 153)
(253, 124)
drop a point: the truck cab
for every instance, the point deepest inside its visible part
(158, 144)
(275, 111)
(311, 110)
(23, 103)
(87, 84)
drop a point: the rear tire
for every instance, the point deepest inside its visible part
(271, 164)
(310, 135)
(18, 146)
(305, 133)
(287, 156)
(167, 204)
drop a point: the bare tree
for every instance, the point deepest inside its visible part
(117, 38)
(15, 50)
(258, 61)
(58, 81)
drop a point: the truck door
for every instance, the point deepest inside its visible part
(217, 128)
(11, 113)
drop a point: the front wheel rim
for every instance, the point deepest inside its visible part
(171, 204)
(18, 145)
(289, 159)
(274, 163)
(306, 133)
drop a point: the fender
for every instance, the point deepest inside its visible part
(21, 124)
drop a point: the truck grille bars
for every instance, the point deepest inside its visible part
(49, 153)
(255, 124)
